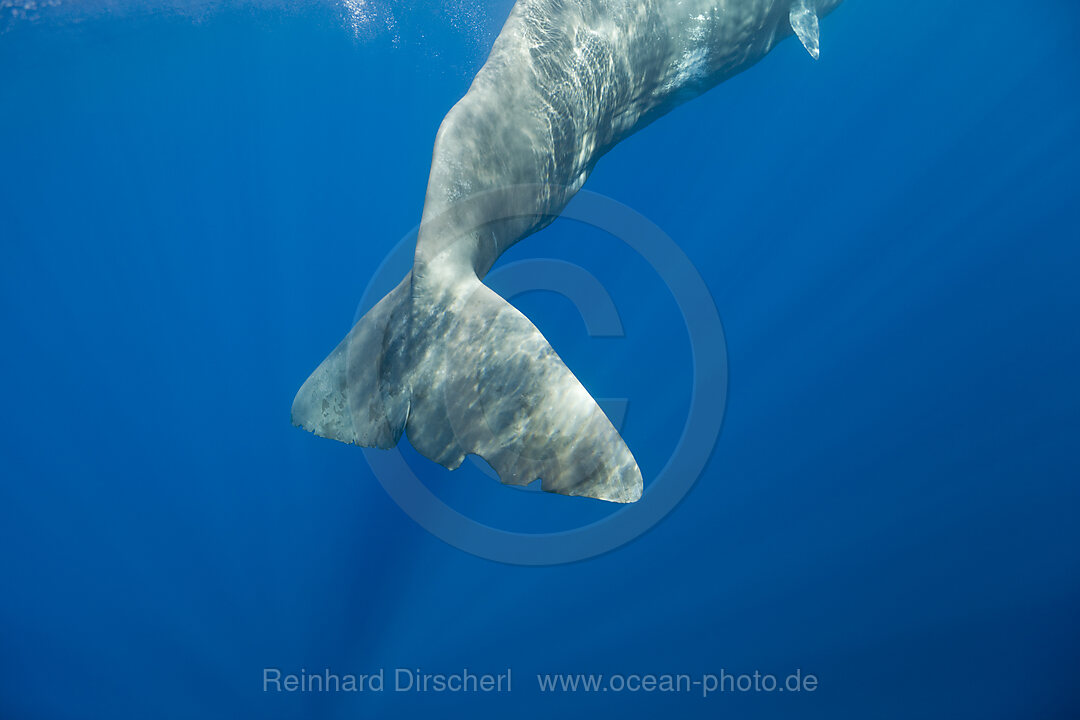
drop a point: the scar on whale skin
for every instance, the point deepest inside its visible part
(443, 358)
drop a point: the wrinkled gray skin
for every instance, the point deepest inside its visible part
(444, 358)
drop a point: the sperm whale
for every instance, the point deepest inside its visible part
(445, 359)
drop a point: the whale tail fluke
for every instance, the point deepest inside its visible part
(354, 396)
(462, 371)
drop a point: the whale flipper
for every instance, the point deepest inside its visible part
(804, 21)
(462, 371)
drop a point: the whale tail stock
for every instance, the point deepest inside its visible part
(461, 371)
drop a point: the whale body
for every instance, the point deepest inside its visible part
(445, 359)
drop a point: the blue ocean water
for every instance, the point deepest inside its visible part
(193, 199)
